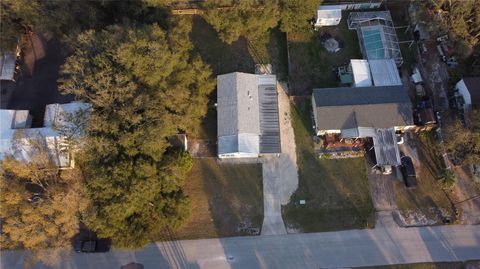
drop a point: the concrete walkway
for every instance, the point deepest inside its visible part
(280, 173)
(314, 250)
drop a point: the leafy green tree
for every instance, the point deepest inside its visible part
(232, 19)
(145, 85)
(39, 206)
(56, 17)
(295, 14)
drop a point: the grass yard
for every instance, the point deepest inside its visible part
(311, 65)
(399, 12)
(428, 195)
(337, 192)
(223, 196)
(240, 56)
(427, 265)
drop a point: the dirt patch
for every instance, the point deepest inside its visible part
(468, 195)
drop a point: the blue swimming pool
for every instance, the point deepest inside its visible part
(373, 43)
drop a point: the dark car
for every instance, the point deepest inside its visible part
(91, 246)
(408, 172)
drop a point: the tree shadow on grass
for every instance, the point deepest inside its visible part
(222, 57)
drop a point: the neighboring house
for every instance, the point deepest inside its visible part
(61, 123)
(468, 93)
(366, 73)
(376, 112)
(248, 120)
(7, 66)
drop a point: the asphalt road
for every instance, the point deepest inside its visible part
(318, 250)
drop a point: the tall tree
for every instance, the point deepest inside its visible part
(144, 85)
(39, 206)
(232, 19)
(295, 14)
(56, 17)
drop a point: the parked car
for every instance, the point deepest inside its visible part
(408, 172)
(87, 246)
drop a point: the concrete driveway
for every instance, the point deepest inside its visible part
(280, 172)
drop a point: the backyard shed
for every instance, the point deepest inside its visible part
(328, 15)
(248, 120)
(361, 73)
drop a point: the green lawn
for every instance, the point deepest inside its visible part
(337, 192)
(223, 196)
(428, 194)
(311, 65)
(437, 265)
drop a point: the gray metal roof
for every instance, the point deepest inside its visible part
(247, 107)
(386, 147)
(384, 72)
(269, 122)
(376, 107)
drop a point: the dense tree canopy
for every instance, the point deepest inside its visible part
(232, 19)
(62, 17)
(144, 86)
(39, 206)
(295, 14)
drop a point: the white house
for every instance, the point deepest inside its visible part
(20, 141)
(248, 120)
(469, 90)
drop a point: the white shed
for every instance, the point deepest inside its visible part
(328, 15)
(361, 73)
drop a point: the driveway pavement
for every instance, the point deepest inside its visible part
(280, 176)
(314, 250)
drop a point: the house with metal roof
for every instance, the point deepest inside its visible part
(376, 112)
(248, 120)
(21, 142)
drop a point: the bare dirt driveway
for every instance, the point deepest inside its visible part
(280, 173)
(468, 196)
(383, 195)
